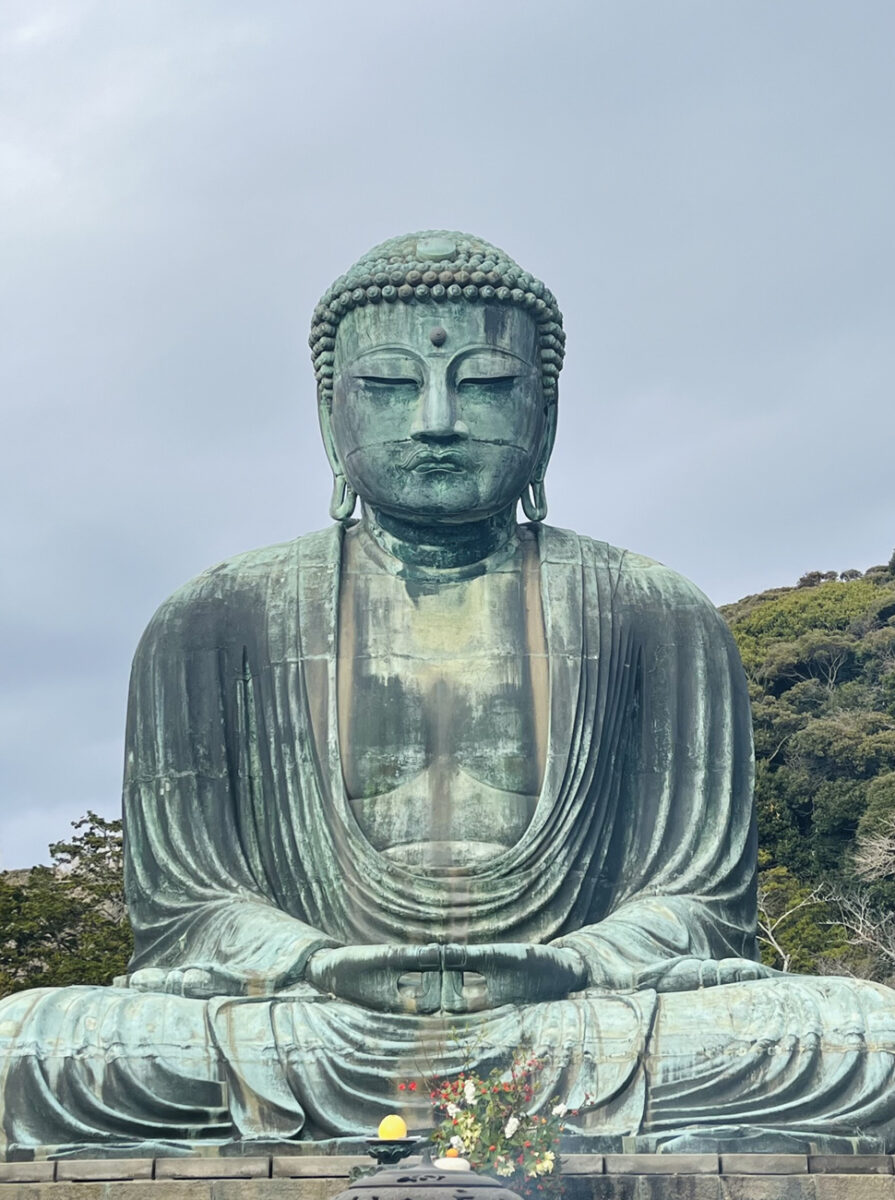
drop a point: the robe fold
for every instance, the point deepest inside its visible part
(242, 850)
(243, 858)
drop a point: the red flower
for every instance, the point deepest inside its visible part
(526, 1144)
(412, 1086)
(401, 1087)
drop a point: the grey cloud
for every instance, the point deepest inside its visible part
(707, 188)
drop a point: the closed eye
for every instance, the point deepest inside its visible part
(387, 381)
(491, 381)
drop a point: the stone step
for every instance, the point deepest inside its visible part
(585, 1177)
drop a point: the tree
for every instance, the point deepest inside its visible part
(870, 929)
(875, 844)
(811, 579)
(820, 659)
(67, 923)
(796, 929)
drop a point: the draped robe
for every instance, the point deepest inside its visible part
(243, 857)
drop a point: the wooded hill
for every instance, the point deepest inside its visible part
(820, 660)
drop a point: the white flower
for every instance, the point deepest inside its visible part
(544, 1165)
(457, 1143)
(511, 1126)
(469, 1091)
(559, 1110)
(452, 1110)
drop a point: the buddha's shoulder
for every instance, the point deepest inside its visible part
(260, 568)
(249, 580)
(631, 576)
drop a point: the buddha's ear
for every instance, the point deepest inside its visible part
(325, 416)
(534, 498)
(549, 437)
(344, 498)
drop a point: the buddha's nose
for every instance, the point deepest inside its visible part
(437, 419)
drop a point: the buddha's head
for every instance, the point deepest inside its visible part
(437, 360)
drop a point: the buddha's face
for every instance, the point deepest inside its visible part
(438, 411)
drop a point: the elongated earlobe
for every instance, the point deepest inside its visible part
(534, 500)
(344, 499)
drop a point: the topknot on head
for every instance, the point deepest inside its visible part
(432, 266)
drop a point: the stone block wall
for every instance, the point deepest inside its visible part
(585, 1177)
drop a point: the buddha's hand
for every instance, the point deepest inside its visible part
(688, 974)
(385, 978)
(196, 982)
(487, 976)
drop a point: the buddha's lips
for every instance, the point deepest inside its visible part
(426, 459)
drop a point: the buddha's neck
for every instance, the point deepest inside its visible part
(441, 546)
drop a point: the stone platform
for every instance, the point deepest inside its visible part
(585, 1177)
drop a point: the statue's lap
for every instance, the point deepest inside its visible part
(734, 1057)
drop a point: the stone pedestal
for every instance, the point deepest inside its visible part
(585, 1177)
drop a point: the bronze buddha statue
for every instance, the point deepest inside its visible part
(409, 791)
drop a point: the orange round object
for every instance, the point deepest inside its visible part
(452, 1152)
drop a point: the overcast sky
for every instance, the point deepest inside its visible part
(706, 185)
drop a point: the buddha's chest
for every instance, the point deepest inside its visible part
(442, 712)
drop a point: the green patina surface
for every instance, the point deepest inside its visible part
(405, 794)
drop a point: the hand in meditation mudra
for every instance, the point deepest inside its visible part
(405, 794)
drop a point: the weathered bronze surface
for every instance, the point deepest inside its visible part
(405, 793)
